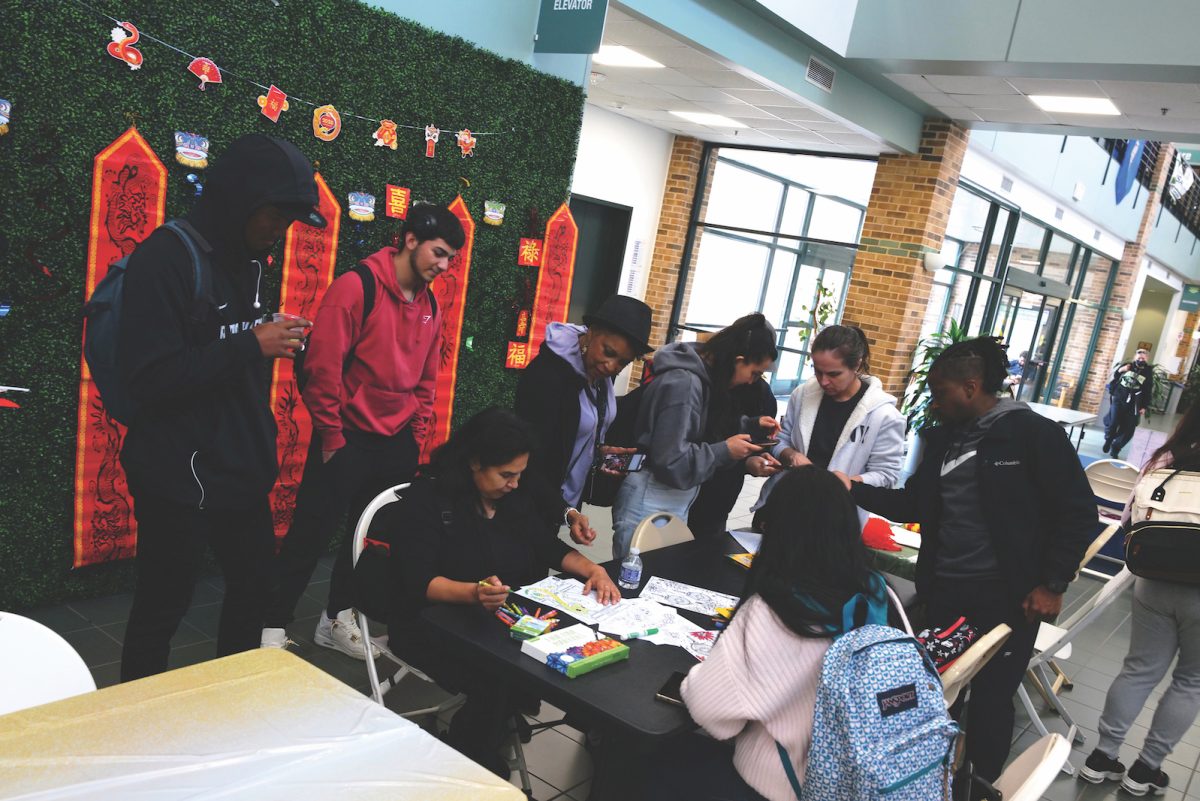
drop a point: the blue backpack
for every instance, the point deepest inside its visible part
(881, 731)
(103, 313)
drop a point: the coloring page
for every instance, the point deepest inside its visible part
(566, 595)
(685, 596)
(696, 643)
(636, 615)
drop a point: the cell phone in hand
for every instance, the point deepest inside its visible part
(672, 690)
(766, 442)
(624, 462)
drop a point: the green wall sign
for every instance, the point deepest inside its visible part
(570, 26)
(1189, 301)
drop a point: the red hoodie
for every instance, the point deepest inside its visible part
(389, 381)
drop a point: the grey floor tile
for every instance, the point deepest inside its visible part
(102, 611)
(558, 760)
(541, 790)
(94, 646)
(61, 619)
(186, 655)
(106, 675)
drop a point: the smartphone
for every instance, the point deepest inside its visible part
(624, 462)
(671, 691)
(766, 442)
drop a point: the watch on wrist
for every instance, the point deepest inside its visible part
(1057, 586)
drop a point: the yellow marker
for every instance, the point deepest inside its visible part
(725, 611)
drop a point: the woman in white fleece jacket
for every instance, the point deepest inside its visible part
(758, 686)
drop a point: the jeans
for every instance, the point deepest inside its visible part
(640, 496)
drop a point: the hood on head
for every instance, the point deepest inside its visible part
(563, 340)
(680, 356)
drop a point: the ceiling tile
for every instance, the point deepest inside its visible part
(668, 77)
(937, 98)
(797, 113)
(639, 90)
(1150, 91)
(724, 79)
(755, 97)
(821, 126)
(1031, 116)
(960, 113)
(913, 83)
(636, 34)
(1087, 120)
(970, 84)
(706, 93)
(851, 140)
(739, 111)
(979, 102)
(1057, 86)
(680, 56)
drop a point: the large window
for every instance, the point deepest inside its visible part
(776, 233)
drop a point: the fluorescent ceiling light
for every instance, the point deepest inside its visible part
(713, 120)
(621, 56)
(1075, 105)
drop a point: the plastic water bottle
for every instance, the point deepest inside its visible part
(631, 571)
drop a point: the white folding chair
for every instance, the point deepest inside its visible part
(1112, 482)
(660, 530)
(379, 688)
(39, 666)
(1032, 773)
(971, 661)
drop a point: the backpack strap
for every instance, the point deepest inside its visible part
(788, 768)
(202, 289)
(875, 606)
(1160, 492)
(368, 284)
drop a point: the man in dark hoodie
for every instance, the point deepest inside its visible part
(978, 559)
(1129, 395)
(200, 451)
(369, 388)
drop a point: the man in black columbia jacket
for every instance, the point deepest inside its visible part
(1006, 514)
(200, 451)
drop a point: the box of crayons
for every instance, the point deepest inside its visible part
(525, 626)
(581, 659)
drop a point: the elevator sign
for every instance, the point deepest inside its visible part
(1189, 300)
(570, 26)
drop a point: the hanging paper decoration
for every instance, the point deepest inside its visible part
(522, 329)
(5, 403)
(309, 255)
(386, 135)
(327, 123)
(191, 150)
(122, 45)
(451, 292)
(529, 253)
(466, 142)
(129, 192)
(493, 212)
(554, 278)
(362, 206)
(431, 138)
(206, 70)
(5, 115)
(273, 103)
(517, 355)
(396, 201)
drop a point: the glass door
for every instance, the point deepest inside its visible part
(1029, 324)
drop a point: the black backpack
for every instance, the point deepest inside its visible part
(103, 314)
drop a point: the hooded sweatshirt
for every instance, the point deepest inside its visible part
(204, 434)
(389, 382)
(563, 341)
(671, 420)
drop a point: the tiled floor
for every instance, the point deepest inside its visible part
(561, 767)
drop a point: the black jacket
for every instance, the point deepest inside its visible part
(204, 434)
(1134, 397)
(1041, 509)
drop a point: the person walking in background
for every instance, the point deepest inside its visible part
(689, 377)
(200, 450)
(1165, 627)
(1129, 395)
(840, 419)
(369, 385)
(566, 393)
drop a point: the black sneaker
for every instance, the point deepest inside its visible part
(1107, 445)
(1142, 779)
(1101, 767)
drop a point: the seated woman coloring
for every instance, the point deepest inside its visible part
(758, 686)
(471, 533)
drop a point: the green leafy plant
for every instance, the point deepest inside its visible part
(1191, 388)
(916, 395)
(823, 308)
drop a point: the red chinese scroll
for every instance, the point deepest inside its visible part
(309, 255)
(554, 277)
(129, 191)
(451, 292)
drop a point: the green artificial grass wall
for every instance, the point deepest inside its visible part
(71, 99)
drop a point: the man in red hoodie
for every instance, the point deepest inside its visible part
(369, 388)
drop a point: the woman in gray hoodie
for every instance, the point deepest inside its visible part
(688, 377)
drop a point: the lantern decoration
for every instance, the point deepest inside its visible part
(191, 150)
(273, 103)
(206, 70)
(493, 212)
(386, 135)
(124, 37)
(326, 123)
(466, 143)
(362, 206)
(396, 201)
(5, 115)
(431, 138)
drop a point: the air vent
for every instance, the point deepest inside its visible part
(1096, 235)
(1006, 184)
(820, 74)
(1058, 213)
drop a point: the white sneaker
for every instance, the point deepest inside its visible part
(342, 634)
(275, 638)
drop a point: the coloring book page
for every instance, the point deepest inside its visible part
(635, 615)
(696, 643)
(685, 596)
(566, 595)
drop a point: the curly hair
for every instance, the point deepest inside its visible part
(984, 358)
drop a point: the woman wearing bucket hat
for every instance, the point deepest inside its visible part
(567, 394)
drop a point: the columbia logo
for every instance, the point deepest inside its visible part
(1009, 463)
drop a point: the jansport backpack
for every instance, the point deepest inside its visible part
(1163, 537)
(880, 726)
(103, 313)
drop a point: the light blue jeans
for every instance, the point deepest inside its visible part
(640, 496)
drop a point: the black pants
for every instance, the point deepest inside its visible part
(1124, 424)
(709, 516)
(700, 768)
(171, 540)
(989, 723)
(364, 467)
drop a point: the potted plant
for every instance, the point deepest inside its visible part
(917, 398)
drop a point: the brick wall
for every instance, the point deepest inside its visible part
(905, 219)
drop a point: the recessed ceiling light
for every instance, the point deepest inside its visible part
(704, 118)
(1075, 105)
(621, 56)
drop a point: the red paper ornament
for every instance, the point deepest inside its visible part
(522, 324)
(206, 70)
(530, 253)
(327, 123)
(396, 201)
(386, 135)
(122, 45)
(466, 142)
(431, 137)
(273, 103)
(517, 357)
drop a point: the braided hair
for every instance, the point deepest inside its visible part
(984, 358)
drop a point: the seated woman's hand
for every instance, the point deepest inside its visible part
(606, 591)
(794, 458)
(581, 529)
(491, 593)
